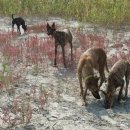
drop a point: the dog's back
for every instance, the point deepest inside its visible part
(118, 71)
(68, 35)
(98, 55)
(61, 36)
(18, 20)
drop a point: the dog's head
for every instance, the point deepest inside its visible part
(25, 28)
(51, 29)
(92, 84)
(109, 98)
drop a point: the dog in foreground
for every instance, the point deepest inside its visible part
(93, 58)
(119, 70)
(19, 22)
(61, 38)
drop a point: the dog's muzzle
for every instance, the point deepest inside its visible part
(96, 94)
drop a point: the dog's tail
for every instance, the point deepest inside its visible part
(12, 16)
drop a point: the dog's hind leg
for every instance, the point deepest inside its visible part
(63, 52)
(71, 51)
(12, 26)
(80, 68)
(127, 83)
(18, 29)
(55, 63)
(106, 66)
(120, 92)
(102, 75)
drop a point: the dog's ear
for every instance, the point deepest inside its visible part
(53, 25)
(48, 25)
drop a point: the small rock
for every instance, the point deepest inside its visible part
(16, 85)
(29, 127)
(68, 98)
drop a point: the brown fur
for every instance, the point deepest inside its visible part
(115, 79)
(93, 58)
(61, 38)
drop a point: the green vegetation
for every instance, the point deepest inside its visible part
(113, 12)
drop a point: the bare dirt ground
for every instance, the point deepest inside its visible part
(62, 109)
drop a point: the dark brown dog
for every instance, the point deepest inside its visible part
(61, 38)
(94, 58)
(19, 21)
(115, 79)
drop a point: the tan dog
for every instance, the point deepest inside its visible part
(115, 79)
(93, 58)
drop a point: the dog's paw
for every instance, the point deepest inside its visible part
(83, 103)
(55, 66)
(25, 33)
(124, 98)
(81, 94)
(65, 66)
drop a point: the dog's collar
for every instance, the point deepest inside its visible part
(87, 77)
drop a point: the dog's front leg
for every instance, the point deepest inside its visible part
(55, 64)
